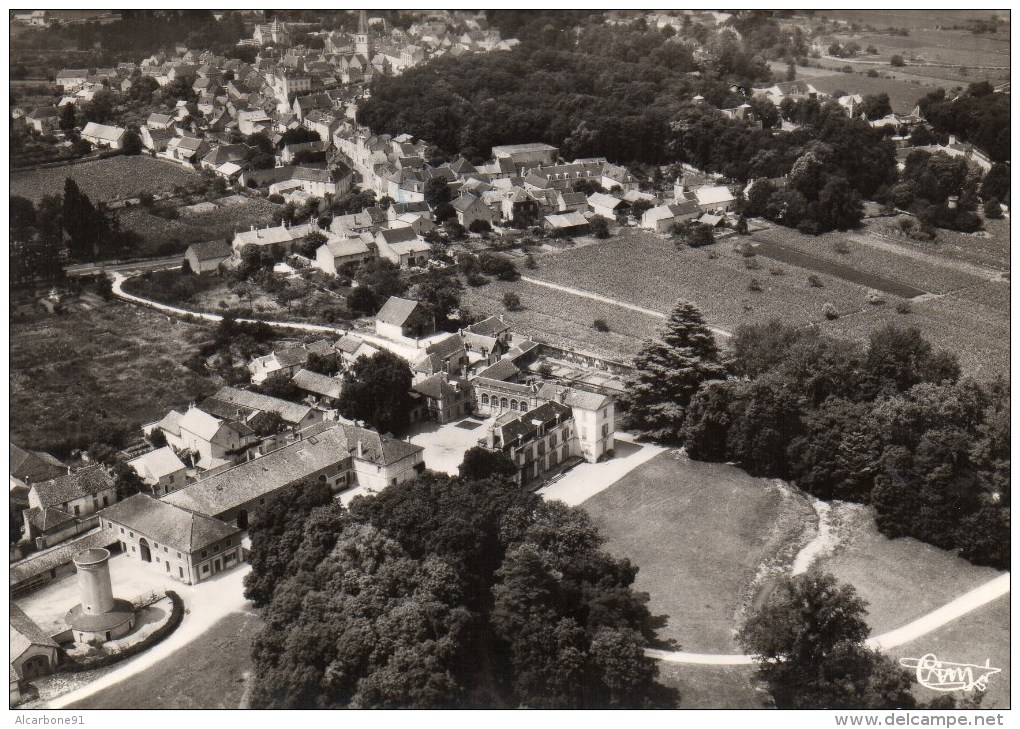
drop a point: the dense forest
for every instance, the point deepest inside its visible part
(595, 90)
(979, 116)
(444, 593)
(889, 423)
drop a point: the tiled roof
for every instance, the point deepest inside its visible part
(566, 220)
(341, 247)
(201, 423)
(490, 326)
(78, 484)
(33, 466)
(521, 428)
(291, 412)
(263, 476)
(210, 250)
(446, 347)
(398, 235)
(166, 523)
(318, 383)
(49, 518)
(572, 397)
(348, 344)
(396, 311)
(103, 131)
(436, 387)
(502, 370)
(25, 633)
(156, 464)
(171, 422)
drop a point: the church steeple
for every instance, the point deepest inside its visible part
(362, 44)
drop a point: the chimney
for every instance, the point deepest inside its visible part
(491, 438)
(361, 450)
(952, 139)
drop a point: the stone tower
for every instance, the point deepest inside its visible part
(94, 581)
(100, 616)
(362, 43)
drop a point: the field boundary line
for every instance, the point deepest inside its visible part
(609, 300)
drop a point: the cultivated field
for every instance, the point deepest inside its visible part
(115, 366)
(903, 95)
(115, 178)
(700, 534)
(988, 248)
(163, 236)
(208, 673)
(647, 269)
(562, 318)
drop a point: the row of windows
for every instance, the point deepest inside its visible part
(505, 403)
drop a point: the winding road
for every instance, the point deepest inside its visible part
(965, 603)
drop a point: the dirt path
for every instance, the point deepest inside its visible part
(965, 603)
(609, 300)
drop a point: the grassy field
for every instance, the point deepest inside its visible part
(712, 687)
(647, 269)
(901, 579)
(979, 636)
(911, 19)
(104, 180)
(700, 533)
(562, 318)
(119, 364)
(206, 674)
(165, 236)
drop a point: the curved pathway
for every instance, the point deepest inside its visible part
(965, 603)
(609, 300)
(118, 291)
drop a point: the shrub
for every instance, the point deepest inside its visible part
(476, 279)
(904, 307)
(752, 264)
(511, 301)
(872, 73)
(755, 285)
(993, 209)
(841, 247)
(108, 659)
(777, 271)
(897, 61)
(875, 298)
(600, 325)
(545, 369)
(480, 226)
(830, 311)
(814, 281)
(276, 198)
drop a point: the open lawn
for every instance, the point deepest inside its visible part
(113, 366)
(563, 318)
(209, 673)
(231, 215)
(115, 178)
(974, 638)
(700, 533)
(647, 269)
(712, 687)
(901, 579)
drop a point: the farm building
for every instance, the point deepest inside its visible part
(404, 318)
(104, 135)
(33, 653)
(207, 256)
(186, 545)
(337, 252)
(661, 219)
(161, 470)
(322, 389)
(567, 223)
